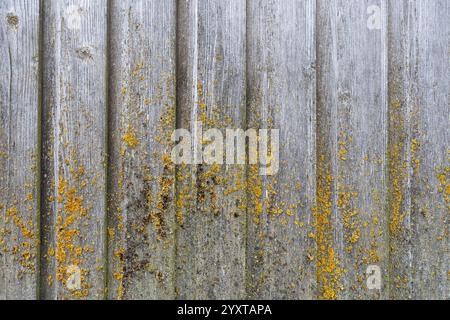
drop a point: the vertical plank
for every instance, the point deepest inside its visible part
(211, 198)
(400, 245)
(352, 147)
(19, 149)
(419, 149)
(74, 149)
(142, 176)
(431, 189)
(282, 95)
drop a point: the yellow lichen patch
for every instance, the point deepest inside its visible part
(415, 161)
(342, 142)
(211, 116)
(355, 236)
(118, 276)
(81, 170)
(74, 203)
(184, 196)
(119, 273)
(330, 282)
(349, 215)
(254, 187)
(166, 181)
(443, 176)
(14, 215)
(25, 250)
(398, 174)
(111, 234)
(67, 253)
(398, 166)
(202, 116)
(130, 138)
(51, 252)
(50, 280)
(137, 69)
(328, 271)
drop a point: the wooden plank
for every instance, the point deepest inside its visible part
(74, 118)
(211, 198)
(399, 146)
(352, 147)
(419, 150)
(142, 176)
(431, 193)
(282, 95)
(19, 149)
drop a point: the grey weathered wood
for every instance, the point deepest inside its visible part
(19, 149)
(399, 149)
(419, 150)
(282, 95)
(364, 170)
(142, 176)
(430, 104)
(210, 202)
(352, 148)
(74, 114)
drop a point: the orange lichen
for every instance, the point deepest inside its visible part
(328, 271)
(415, 161)
(254, 187)
(14, 215)
(68, 255)
(25, 251)
(397, 169)
(444, 181)
(130, 138)
(342, 142)
(119, 273)
(74, 203)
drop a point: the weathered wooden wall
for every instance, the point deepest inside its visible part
(91, 91)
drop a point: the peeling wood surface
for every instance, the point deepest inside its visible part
(91, 91)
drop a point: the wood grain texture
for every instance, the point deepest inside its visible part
(19, 149)
(282, 95)
(92, 90)
(74, 117)
(419, 149)
(352, 149)
(211, 198)
(142, 176)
